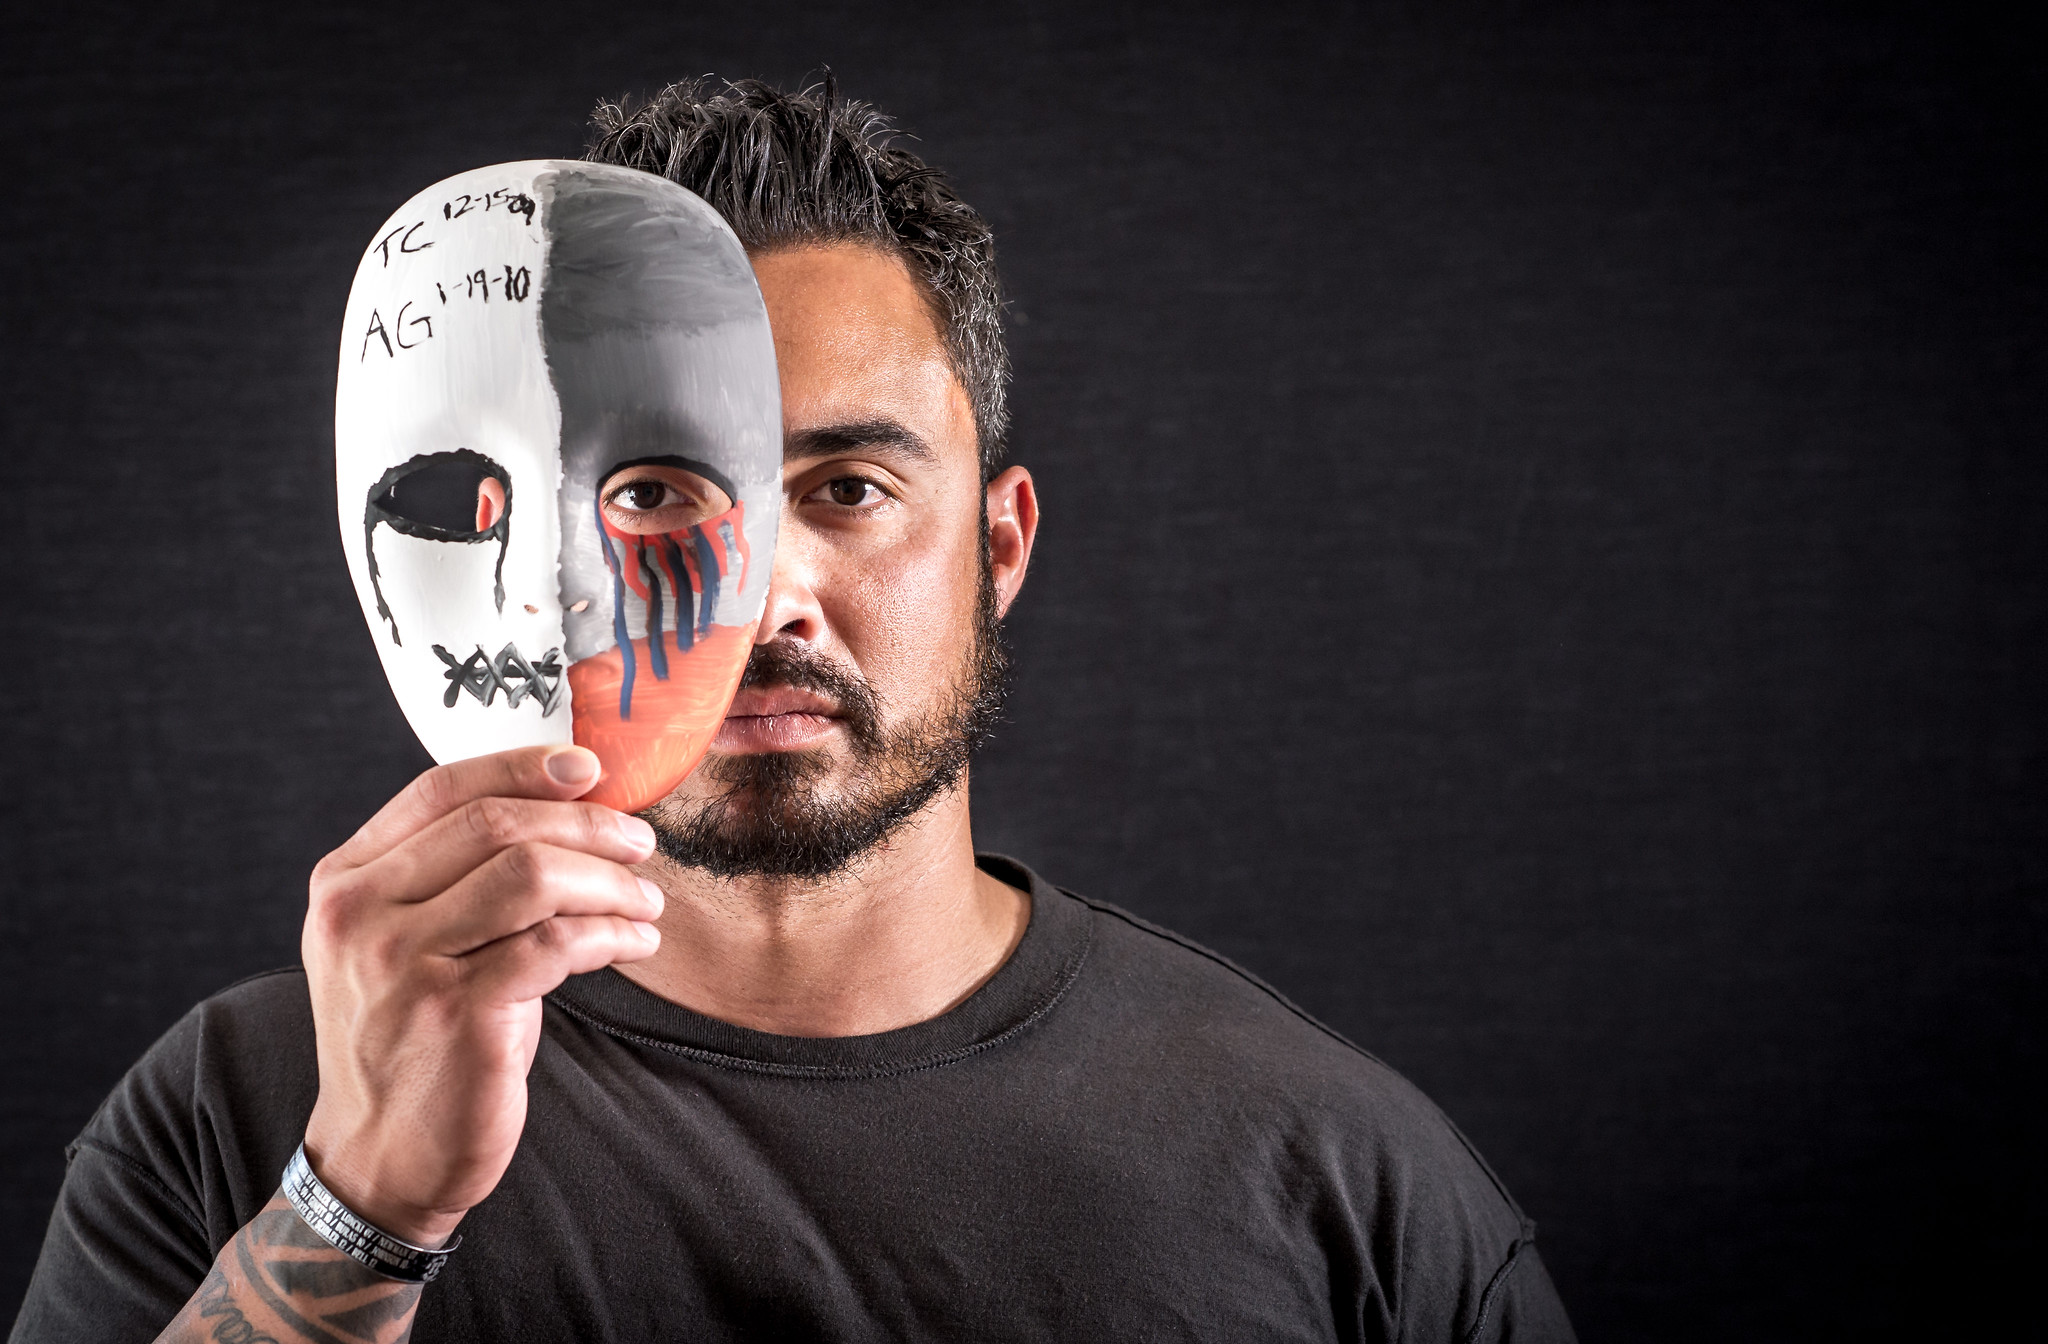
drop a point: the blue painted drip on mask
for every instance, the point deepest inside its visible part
(707, 570)
(657, 656)
(685, 639)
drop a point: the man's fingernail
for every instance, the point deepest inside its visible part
(654, 894)
(573, 766)
(647, 931)
(637, 832)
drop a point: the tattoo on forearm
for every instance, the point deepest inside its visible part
(314, 1290)
(216, 1302)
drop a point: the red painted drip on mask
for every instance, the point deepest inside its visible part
(637, 544)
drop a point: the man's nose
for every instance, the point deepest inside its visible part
(792, 610)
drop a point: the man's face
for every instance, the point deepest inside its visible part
(876, 663)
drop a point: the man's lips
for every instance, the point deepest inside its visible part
(770, 701)
(775, 718)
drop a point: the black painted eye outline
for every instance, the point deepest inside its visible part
(708, 498)
(384, 506)
(717, 478)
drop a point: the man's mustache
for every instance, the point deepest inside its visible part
(787, 663)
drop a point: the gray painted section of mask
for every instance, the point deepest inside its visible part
(657, 343)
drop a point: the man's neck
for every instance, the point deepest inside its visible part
(912, 930)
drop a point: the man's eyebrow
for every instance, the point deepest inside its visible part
(884, 436)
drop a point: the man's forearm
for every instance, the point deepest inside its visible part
(277, 1280)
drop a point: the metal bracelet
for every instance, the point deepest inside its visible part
(371, 1247)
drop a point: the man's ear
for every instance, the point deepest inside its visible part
(1012, 527)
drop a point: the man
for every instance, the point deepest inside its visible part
(781, 1058)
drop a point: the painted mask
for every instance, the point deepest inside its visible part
(558, 451)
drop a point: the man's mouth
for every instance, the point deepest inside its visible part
(775, 718)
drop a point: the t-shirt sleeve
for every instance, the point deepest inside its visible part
(1466, 1270)
(1521, 1305)
(127, 1241)
(1411, 1234)
(122, 1255)
(186, 1149)
(1450, 1257)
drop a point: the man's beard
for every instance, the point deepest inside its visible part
(772, 819)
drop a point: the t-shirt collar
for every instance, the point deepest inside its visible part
(1023, 990)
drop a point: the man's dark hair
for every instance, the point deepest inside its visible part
(813, 167)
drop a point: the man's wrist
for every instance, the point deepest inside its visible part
(366, 1243)
(364, 1188)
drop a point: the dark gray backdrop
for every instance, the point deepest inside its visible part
(1543, 559)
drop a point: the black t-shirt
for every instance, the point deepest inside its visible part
(1121, 1136)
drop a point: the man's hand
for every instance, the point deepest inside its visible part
(430, 939)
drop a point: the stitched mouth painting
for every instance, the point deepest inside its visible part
(558, 457)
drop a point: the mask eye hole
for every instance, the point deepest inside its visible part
(456, 496)
(660, 496)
